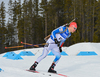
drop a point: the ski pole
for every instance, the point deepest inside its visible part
(36, 44)
(26, 44)
(14, 47)
(32, 44)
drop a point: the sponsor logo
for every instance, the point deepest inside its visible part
(61, 29)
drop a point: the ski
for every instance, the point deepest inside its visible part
(49, 74)
(32, 71)
(37, 72)
(63, 75)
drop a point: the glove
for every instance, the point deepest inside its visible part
(57, 42)
(60, 49)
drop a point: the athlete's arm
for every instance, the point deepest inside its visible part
(58, 30)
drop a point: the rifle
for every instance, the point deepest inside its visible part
(47, 37)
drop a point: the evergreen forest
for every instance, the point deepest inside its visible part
(31, 21)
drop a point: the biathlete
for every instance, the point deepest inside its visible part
(54, 43)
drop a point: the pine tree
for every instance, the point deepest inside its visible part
(25, 21)
(44, 7)
(10, 10)
(12, 23)
(30, 20)
(20, 23)
(97, 22)
(57, 10)
(10, 40)
(2, 26)
(38, 26)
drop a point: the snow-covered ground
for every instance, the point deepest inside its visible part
(72, 65)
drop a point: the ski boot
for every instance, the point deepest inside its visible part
(34, 66)
(51, 69)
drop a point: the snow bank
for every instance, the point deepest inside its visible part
(72, 65)
(76, 48)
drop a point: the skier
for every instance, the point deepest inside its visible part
(54, 43)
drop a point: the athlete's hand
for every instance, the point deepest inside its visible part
(57, 42)
(60, 49)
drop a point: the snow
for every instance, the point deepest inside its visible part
(72, 65)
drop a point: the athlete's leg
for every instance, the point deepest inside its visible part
(44, 54)
(57, 54)
(46, 49)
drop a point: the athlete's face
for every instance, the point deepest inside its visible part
(73, 29)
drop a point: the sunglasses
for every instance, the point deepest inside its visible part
(75, 28)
